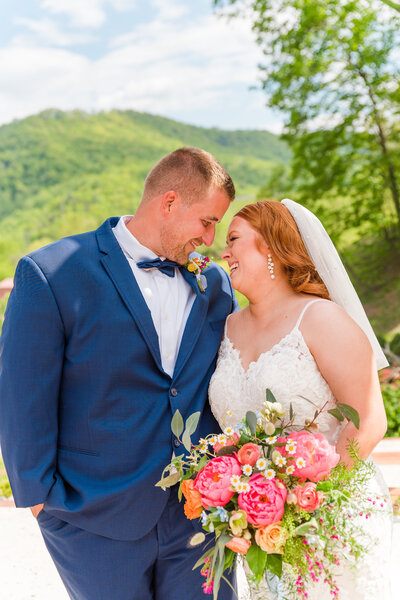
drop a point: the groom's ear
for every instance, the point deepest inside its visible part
(169, 202)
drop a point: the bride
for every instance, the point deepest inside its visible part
(304, 334)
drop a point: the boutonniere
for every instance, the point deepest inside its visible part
(196, 266)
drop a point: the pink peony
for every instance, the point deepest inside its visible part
(265, 501)
(307, 497)
(249, 454)
(239, 545)
(230, 441)
(214, 480)
(318, 454)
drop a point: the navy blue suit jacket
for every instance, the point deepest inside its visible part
(85, 405)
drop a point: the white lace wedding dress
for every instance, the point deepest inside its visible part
(289, 370)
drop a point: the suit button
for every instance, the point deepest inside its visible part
(176, 443)
(174, 392)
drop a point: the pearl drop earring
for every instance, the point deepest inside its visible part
(270, 266)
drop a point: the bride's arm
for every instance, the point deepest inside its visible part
(345, 358)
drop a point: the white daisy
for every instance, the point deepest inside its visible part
(235, 479)
(278, 459)
(290, 447)
(245, 487)
(229, 431)
(221, 439)
(269, 474)
(261, 464)
(290, 470)
(271, 440)
(239, 487)
(247, 470)
(213, 440)
(300, 463)
(203, 448)
(229, 413)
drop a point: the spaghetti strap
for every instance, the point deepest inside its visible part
(305, 308)
(226, 326)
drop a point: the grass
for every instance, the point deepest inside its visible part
(5, 489)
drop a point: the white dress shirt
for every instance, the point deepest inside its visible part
(169, 299)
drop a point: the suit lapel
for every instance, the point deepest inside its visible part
(194, 324)
(122, 277)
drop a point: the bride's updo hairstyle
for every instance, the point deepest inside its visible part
(273, 221)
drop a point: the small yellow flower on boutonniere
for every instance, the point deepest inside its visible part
(196, 266)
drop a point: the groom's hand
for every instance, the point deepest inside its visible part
(36, 509)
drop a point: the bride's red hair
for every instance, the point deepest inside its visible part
(273, 221)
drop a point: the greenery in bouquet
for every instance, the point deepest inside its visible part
(276, 494)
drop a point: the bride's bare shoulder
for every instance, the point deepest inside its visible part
(326, 323)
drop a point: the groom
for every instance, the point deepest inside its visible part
(103, 340)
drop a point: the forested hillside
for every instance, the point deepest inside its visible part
(62, 173)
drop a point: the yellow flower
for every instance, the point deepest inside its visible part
(192, 267)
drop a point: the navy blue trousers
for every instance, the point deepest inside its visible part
(155, 567)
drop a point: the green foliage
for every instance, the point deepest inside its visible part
(395, 344)
(5, 489)
(62, 173)
(331, 70)
(391, 399)
(3, 304)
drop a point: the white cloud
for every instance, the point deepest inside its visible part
(82, 13)
(48, 32)
(195, 70)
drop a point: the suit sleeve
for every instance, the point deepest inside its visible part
(31, 359)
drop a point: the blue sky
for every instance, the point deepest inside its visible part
(175, 58)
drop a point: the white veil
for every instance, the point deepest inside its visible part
(332, 272)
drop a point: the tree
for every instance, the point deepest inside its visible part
(330, 68)
(394, 5)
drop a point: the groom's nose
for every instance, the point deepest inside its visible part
(209, 235)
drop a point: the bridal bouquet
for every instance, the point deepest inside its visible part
(273, 494)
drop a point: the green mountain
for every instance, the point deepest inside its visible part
(65, 172)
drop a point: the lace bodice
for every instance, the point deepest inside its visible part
(288, 369)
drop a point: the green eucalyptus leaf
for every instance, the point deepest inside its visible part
(269, 395)
(192, 422)
(251, 421)
(177, 424)
(335, 412)
(187, 442)
(169, 480)
(350, 413)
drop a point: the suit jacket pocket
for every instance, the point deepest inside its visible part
(67, 448)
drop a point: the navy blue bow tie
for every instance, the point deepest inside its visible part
(165, 266)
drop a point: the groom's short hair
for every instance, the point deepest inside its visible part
(190, 172)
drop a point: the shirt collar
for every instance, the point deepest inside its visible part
(129, 243)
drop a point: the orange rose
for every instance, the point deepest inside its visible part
(239, 545)
(270, 538)
(193, 507)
